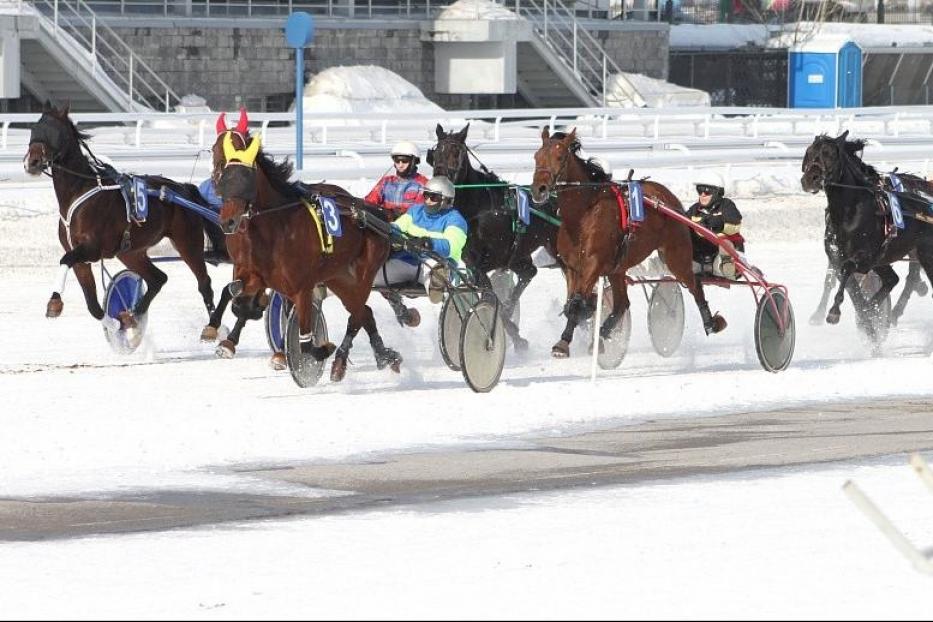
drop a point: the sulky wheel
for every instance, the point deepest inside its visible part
(666, 318)
(482, 346)
(503, 282)
(454, 309)
(775, 347)
(613, 350)
(276, 320)
(305, 369)
(125, 291)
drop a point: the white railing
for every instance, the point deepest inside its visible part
(360, 9)
(109, 54)
(674, 129)
(560, 30)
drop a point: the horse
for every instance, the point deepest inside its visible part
(95, 222)
(277, 240)
(857, 236)
(495, 241)
(591, 243)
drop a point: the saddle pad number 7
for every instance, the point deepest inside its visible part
(331, 216)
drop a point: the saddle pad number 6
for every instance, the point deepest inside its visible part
(141, 196)
(331, 216)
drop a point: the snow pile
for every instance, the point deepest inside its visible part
(476, 9)
(362, 89)
(656, 93)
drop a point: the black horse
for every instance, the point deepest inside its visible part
(95, 222)
(496, 240)
(859, 236)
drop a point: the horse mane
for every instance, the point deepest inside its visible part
(62, 115)
(278, 173)
(850, 151)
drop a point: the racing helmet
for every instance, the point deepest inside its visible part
(442, 187)
(712, 182)
(406, 148)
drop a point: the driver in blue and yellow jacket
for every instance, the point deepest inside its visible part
(436, 226)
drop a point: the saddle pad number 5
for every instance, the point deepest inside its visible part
(331, 216)
(141, 198)
(896, 213)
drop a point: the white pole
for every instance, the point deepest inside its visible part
(596, 325)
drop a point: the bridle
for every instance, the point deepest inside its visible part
(552, 179)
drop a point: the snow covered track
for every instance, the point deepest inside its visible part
(632, 454)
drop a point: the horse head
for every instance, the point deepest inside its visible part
(53, 137)
(828, 160)
(552, 162)
(237, 185)
(238, 135)
(450, 157)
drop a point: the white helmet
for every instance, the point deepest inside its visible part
(406, 148)
(444, 187)
(712, 179)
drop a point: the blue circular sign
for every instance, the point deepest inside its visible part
(299, 29)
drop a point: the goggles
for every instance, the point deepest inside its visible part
(432, 197)
(402, 159)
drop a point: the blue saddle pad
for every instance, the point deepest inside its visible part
(636, 203)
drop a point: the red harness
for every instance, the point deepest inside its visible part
(624, 225)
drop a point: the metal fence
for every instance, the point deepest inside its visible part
(734, 77)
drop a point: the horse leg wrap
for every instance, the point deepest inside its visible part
(578, 309)
(711, 323)
(385, 357)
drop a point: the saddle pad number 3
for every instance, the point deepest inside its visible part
(331, 216)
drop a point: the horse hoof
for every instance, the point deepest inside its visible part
(561, 350)
(127, 320)
(412, 318)
(338, 370)
(54, 308)
(389, 358)
(833, 317)
(209, 334)
(716, 324)
(277, 362)
(921, 289)
(226, 349)
(816, 319)
(521, 344)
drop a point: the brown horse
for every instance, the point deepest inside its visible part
(591, 243)
(277, 241)
(94, 222)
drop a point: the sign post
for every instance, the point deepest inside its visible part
(299, 33)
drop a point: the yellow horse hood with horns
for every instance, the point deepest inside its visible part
(246, 156)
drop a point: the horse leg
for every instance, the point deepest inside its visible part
(227, 348)
(911, 284)
(620, 304)
(525, 270)
(210, 331)
(307, 319)
(404, 315)
(55, 305)
(140, 263)
(86, 279)
(817, 318)
(192, 253)
(834, 312)
(581, 303)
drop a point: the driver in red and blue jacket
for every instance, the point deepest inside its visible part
(397, 192)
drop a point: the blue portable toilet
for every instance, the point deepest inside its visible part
(825, 72)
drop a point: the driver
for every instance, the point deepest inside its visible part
(720, 215)
(437, 228)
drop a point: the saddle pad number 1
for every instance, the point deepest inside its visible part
(141, 198)
(636, 201)
(524, 209)
(331, 216)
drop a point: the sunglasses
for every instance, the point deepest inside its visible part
(433, 197)
(704, 190)
(401, 159)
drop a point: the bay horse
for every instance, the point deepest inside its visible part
(856, 228)
(591, 243)
(495, 241)
(94, 219)
(277, 241)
